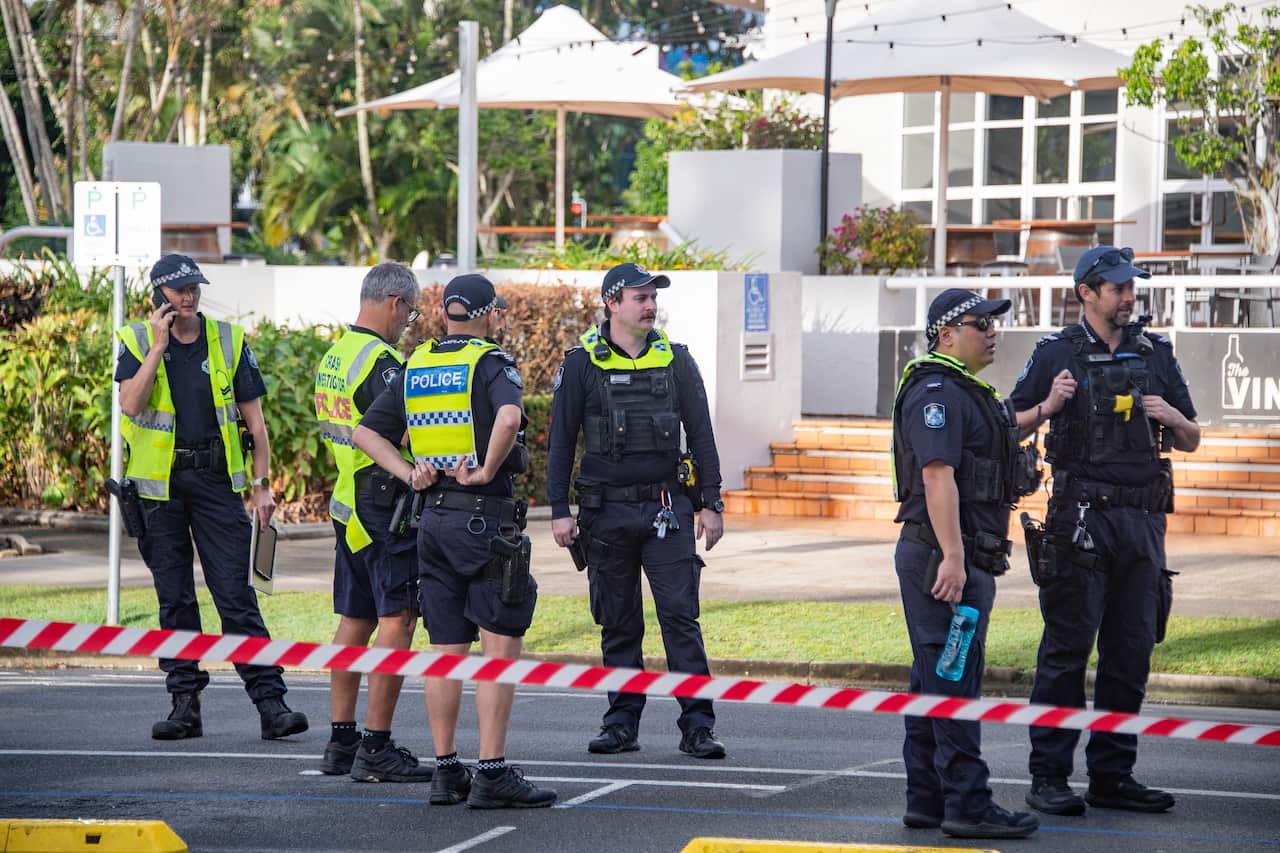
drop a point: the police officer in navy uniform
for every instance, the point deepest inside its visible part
(460, 401)
(375, 578)
(1116, 399)
(185, 382)
(954, 445)
(628, 389)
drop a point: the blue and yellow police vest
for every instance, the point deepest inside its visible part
(151, 436)
(437, 403)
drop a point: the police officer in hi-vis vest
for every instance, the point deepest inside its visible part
(460, 400)
(185, 382)
(375, 574)
(628, 390)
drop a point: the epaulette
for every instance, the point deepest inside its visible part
(1159, 339)
(1052, 336)
(571, 350)
(502, 354)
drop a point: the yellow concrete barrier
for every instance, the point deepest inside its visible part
(78, 836)
(751, 845)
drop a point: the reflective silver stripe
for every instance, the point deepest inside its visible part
(340, 511)
(228, 413)
(357, 363)
(151, 488)
(224, 338)
(154, 419)
(239, 481)
(337, 433)
(141, 336)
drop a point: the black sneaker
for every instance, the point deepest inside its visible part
(338, 757)
(702, 743)
(614, 738)
(390, 764)
(183, 721)
(277, 720)
(450, 785)
(995, 822)
(509, 791)
(1125, 793)
(1052, 795)
(921, 820)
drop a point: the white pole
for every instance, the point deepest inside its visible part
(940, 181)
(117, 460)
(468, 150)
(559, 177)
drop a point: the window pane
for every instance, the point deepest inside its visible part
(917, 161)
(1051, 154)
(961, 108)
(1059, 107)
(1179, 233)
(1001, 107)
(1104, 102)
(1228, 227)
(1100, 207)
(1049, 207)
(1098, 152)
(960, 159)
(1007, 242)
(1173, 165)
(959, 211)
(919, 110)
(922, 209)
(1004, 156)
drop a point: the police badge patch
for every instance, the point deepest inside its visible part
(559, 378)
(935, 416)
(253, 362)
(514, 376)
(389, 375)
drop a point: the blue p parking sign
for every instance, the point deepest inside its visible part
(755, 302)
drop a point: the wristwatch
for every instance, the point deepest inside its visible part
(263, 482)
(716, 505)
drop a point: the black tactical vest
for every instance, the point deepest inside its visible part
(641, 412)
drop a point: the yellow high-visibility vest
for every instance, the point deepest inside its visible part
(151, 436)
(437, 402)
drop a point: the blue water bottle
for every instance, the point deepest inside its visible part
(964, 622)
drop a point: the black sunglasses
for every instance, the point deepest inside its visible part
(984, 323)
(1112, 258)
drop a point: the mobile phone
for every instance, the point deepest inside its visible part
(158, 298)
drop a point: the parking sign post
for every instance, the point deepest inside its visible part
(115, 224)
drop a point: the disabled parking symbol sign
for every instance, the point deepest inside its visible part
(95, 225)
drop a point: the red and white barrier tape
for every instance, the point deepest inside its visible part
(188, 645)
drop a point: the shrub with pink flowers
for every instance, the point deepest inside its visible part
(874, 239)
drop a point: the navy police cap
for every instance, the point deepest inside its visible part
(953, 303)
(474, 294)
(629, 275)
(176, 272)
(1111, 263)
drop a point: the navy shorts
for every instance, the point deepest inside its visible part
(454, 595)
(380, 580)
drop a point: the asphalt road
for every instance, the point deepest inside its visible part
(76, 744)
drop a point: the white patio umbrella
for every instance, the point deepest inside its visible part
(922, 46)
(559, 63)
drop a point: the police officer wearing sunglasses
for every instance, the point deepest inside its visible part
(955, 449)
(1116, 401)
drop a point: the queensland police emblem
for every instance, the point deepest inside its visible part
(935, 416)
(513, 376)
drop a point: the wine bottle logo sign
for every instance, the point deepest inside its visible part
(1242, 390)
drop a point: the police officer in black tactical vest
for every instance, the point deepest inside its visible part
(628, 389)
(1116, 401)
(187, 382)
(957, 471)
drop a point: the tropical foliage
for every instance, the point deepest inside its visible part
(874, 239)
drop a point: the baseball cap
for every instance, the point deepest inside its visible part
(629, 275)
(1113, 264)
(955, 302)
(472, 292)
(176, 271)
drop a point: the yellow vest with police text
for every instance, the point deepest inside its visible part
(151, 434)
(437, 403)
(658, 354)
(343, 369)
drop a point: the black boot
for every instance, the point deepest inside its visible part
(183, 721)
(278, 721)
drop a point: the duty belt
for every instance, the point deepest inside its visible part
(488, 506)
(1106, 495)
(593, 494)
(204, 456)
(987, 550)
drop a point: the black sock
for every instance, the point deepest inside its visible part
(492, 768)
(344, 733)
(375, 740)
(447, 760)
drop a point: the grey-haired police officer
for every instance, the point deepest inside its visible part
(628, 389)
(957, 470)
(1116, 399)
(185, 382)
(460, 401)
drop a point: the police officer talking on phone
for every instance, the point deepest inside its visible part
(957, 470)
(628, 389)
(460, 399)
(1116, 400)
(186, 383)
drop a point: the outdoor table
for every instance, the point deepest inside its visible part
(525, 235)
(971, 246)
(1045, 235)
(1209, 259)
(196, 240)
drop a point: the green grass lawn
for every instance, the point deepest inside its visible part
(761, 630)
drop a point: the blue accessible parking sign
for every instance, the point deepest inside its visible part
(755, 302)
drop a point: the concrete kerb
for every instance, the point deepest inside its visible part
(998, 681)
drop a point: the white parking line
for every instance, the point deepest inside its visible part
(591, 795)
(496, 832)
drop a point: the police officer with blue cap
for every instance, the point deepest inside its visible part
(1116, 401)
(628, 389)
(957, 470)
